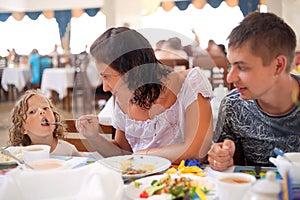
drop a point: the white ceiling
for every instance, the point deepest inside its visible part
(40, 5)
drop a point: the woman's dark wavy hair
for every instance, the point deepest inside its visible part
(128, 52)
(19, 116)
(267, 36)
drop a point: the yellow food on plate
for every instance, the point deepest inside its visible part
(6, 159)
(172, 170)
(182, 169)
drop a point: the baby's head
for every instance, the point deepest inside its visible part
(21, 122)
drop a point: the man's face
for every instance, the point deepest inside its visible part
(248, 75)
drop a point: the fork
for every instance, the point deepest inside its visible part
(19, 162)
(64, 121)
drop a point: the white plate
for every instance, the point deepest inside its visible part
(133, 192)
(16, 151)
(152, 164)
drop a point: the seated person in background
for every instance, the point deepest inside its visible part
(159, 45)
(223, 49)
(214, 49)
(13, 56)
(37, 65)
(24, 62)
(30, 117)
(171, 49)
(263, 111)
(34, 63)
(157, 111)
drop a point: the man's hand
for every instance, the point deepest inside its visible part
(220, 155)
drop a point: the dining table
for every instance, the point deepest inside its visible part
(15, 78)
(129, 185)
(60, 81)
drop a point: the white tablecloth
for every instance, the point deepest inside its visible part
(57, 79)
(18, 77)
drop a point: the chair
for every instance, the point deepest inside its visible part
(175, 63)
(218, 67)
(63, 60)
(78, 140)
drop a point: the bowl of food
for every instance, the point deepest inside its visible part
(284, 166)
(48, 164)
(36, 152)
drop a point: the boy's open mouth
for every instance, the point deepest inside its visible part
(45, 122)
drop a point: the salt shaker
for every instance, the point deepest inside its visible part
(266, 189)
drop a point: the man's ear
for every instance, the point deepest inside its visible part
(280, 64)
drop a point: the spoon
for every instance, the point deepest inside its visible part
(64, 121)
(279, 152)
(19, 162)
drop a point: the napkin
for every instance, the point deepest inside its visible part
(93, 181)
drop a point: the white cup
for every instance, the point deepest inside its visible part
(234, 186)
(36, 152)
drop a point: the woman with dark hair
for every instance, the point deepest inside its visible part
(157, 111)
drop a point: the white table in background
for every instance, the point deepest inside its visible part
(15, 77)
(18, 77)
(59, 80)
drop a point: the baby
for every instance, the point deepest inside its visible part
(31, 119)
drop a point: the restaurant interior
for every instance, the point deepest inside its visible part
(68, 74)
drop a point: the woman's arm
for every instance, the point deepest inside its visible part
(88, 126)
(198, 134)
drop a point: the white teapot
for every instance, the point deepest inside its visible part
(266, 189)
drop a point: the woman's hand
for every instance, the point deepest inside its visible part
(220, 155)
(88, 125)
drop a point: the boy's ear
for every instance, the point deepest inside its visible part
(281, 64)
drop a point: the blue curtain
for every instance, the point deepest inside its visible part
(182, 5)
(92, 11)
(63, 17)
(248, 6)
(33, 15)
(4, 16)
(214, 3)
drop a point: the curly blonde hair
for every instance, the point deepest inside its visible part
(19, 116)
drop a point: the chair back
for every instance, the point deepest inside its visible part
(80, 142)
(218, 67)
(175, 63)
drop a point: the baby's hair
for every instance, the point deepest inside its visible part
(19, 116)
